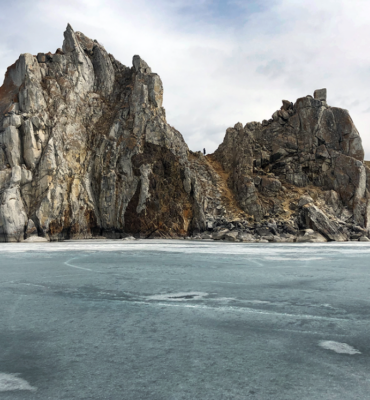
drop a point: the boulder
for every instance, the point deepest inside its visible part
(279, 153)
(314, 218)
(272, 227)
(209, 225)
(304, 200)
(287, 105)
(263, 231)
(289, 229)
(246, 237)
(220, 234)
(320, 94)
(269, 237)
(231, 236)
(41, 57)
(270, 186)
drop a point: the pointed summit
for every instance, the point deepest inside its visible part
(69, 43)
(140, 65)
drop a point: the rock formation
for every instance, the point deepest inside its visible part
(86, 151)
(305, 148)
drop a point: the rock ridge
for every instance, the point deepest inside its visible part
(86, 151)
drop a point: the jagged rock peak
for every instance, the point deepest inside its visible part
(86, 149)
(140, 65)
(305, 145)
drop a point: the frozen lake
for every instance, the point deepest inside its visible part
(176, 320)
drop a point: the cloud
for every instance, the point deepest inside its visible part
(221, 61)
(271, 69)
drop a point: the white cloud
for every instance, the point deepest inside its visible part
(220, 63)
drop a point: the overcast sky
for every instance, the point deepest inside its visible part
(220, 61)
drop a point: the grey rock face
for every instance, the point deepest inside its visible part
(12, 145)
(306, 145)
(86, 150)
(31, 229)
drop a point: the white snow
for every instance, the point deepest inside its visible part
(9, 382)
(341, 348)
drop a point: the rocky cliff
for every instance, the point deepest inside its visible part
(86, 151)
(304, 166)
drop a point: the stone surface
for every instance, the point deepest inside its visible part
(320, 94)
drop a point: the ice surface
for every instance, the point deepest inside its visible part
(272, 251)
(176, 319)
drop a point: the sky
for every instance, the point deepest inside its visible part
(221, 61)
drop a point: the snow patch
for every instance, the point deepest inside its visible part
(9, 382)
(183, 296)
(341, 348)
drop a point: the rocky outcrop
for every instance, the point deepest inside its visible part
(86, 151)
(306, 147)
